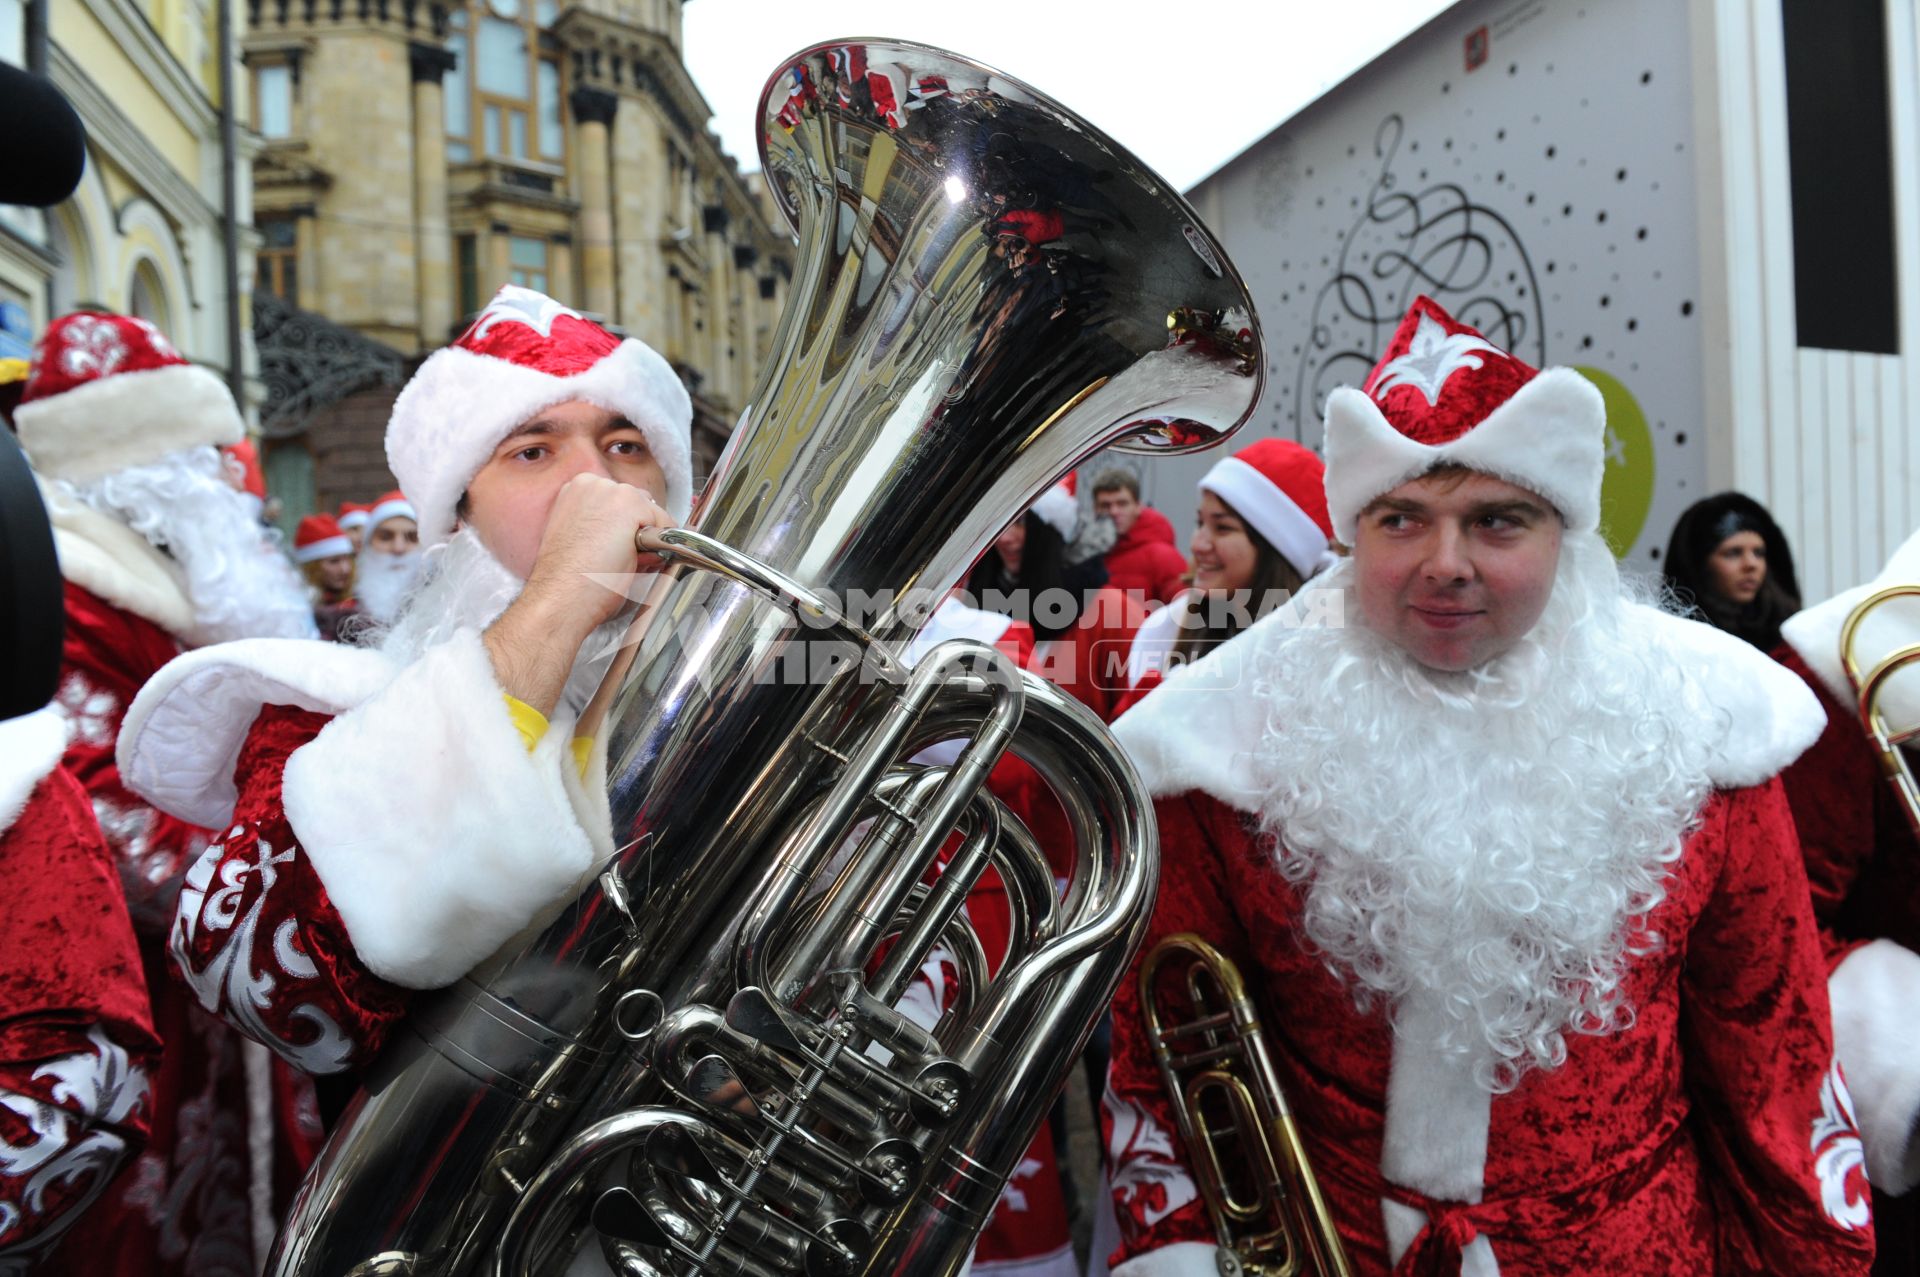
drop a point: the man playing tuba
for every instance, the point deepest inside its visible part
(1507, 860)
(389, 817)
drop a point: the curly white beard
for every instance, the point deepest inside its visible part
(382, 582)
(461, 585)
(239, 582)
(1496, 837)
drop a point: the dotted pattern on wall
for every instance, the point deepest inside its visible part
(1546, 197)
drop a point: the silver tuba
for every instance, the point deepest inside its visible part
(700, 1065)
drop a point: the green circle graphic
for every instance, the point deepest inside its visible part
(1626, 491)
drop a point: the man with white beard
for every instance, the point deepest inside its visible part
(390, 559)
(393, 815)
(160, 553)
(1506, 859)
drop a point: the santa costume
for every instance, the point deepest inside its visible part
(387, 816)
(316, 539)
(77, 1050)
(124, 436)
(1278, 488)
(382, 578)
(1863, 863)
(1531, 942)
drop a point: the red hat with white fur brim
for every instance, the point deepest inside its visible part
(318, 537)
(107, 393)
(1444, 395)
(526, 352)
(1279, 487)
(1059, 507)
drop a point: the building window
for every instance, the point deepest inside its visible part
(13, 32)
(273, 99)
(277, 263)
(147, 298)
(507, 103)
(527, 262)
(467, 257)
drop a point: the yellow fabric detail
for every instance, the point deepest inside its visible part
(531, 722)
(582, 747)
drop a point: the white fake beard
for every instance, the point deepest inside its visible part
(1497, 836)
(382, 581)
(462, 586)
(239, 582)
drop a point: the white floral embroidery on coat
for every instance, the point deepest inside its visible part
(1838, 1153)
(70, 1143)
(1012, 1196)
(246, 992)
(1144, 1159)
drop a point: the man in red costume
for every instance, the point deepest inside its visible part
(160, 552)
(390, 815)
(1506, 858)
(1144, 560)
(1863, 863)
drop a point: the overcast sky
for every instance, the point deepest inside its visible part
(1186, 85)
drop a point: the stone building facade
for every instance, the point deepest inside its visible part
(147, 232)
(417, 154)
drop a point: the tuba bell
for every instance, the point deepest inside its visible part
(1891, 720)
(701, 1064)
(1261, 1195)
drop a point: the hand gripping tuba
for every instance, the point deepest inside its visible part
(700, 1065)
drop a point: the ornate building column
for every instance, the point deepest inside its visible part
(433, 237)
(593, 111)
(715, 220)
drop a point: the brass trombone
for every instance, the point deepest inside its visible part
(1889, 741)
(1268, 1215)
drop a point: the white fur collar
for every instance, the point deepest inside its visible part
(30, 748)
(1202, 728)
(182, 735)
(105, 556)
(1814, 632)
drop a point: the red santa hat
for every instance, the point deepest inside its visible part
(1444, 395)
(1059, 507)
(1280, 488)
(527, 352)
(106, 392)
(1035, 225)
(353, 515)
(394, 505)
(317, 537)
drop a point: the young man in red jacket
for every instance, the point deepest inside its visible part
(1506, 861)
(1144, 561)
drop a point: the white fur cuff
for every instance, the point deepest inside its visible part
(1182, 1259)
(1874, 993)
(30, 748)
(436, 833)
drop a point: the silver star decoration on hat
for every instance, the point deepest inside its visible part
(1432, 356)
(516, 305)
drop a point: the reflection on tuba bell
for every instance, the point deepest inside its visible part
(1268, 1216)
(701, 1065)
(1891, 728)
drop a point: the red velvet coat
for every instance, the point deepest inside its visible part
(1714, 1136)
(183, 1206)
(1146, 562)
(77, 1050)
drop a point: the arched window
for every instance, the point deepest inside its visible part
(147, 299)
(504, 93)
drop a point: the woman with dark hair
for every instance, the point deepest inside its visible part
(1728, 562)
(1261, 533)
(1083, 627)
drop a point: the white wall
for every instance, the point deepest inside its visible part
(1828, 440)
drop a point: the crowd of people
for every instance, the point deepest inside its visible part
(1585, 928)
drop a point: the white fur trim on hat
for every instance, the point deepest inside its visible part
(1059, 510)
(1181, 1259)
(325, 548)
(1261, 502)
(1814, 633)
(399, 508)
(1549, 437)
(353, 519)
(460, 405)
(128, 419)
